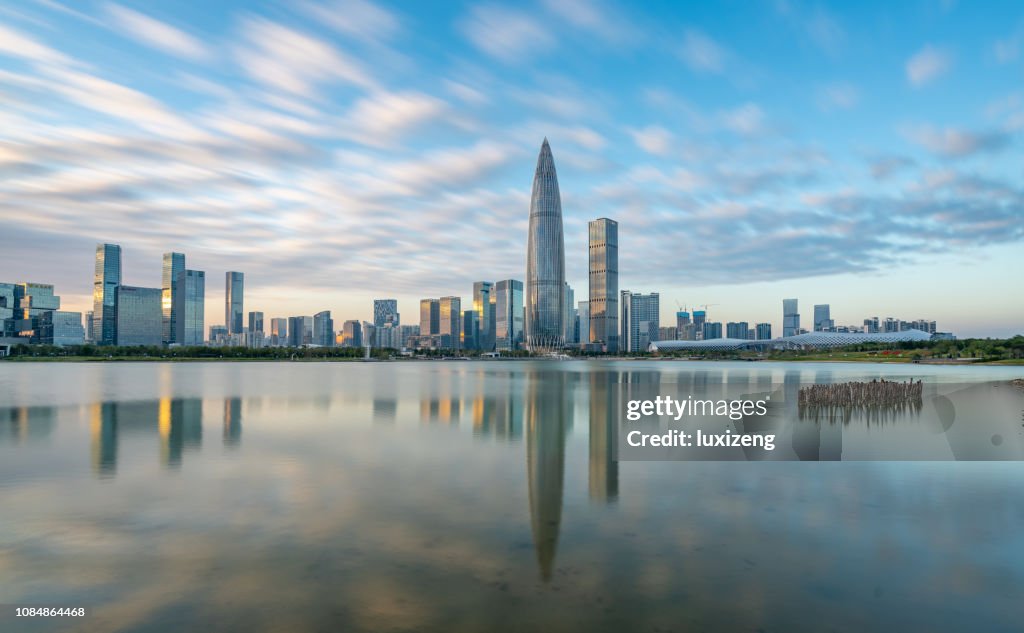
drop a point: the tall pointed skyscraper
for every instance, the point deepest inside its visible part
(545, 260)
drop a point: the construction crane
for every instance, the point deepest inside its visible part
(705, 306)
(685, 308)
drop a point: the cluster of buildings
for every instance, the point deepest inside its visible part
(30, 313)
(539, 313)
(694, 326)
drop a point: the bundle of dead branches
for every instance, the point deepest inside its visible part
(878, 392)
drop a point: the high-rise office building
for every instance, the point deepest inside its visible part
(254, 333)
(256, 324)
(569, 316)
(323, 329)
(430, 317)
(764, 331)
(140, 317)
(450, 321)
(688, 332)
(406, 333)
(104, 294)
(508, 314)
(234, 291)
(470, 329)
(385, 311)
(790, 317)
(173, 264)
(369, 334)
(278, 331)
(190, 307)
(640, 320)
(61, 328)
(7, 305)
(218, 334)
(822, 318)
(871, 325)
(352, 334)
(583, 322)
(300, 331)
(485, 305)
(89, 328)
(737, 329)
(545, 259)
(712, 330)
(604, 284)
(34, 299)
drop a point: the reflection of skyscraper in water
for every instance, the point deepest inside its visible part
(385, 409)
(18, 424)
(499, 413)
(232, 421)
(546, 412)
(440, 399)
(180, 424)
(103, 432)
(604, 468)
(429, 408)
(385, 399)
(449, 409)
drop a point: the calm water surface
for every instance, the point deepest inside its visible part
(466, 496)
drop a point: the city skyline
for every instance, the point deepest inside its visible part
(874, 174)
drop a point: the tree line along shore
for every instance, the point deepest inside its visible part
(962, 351)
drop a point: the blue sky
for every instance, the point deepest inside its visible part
(865, 155)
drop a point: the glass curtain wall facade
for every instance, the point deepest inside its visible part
(604, 285)
(104, 294)
(451, 320)
(323, 329)
(470, 329)
(352, 334)
(234, 290)
(300, 331)
(278, 331)
(485, 306)
(256, 323)
(569, 316)
(385, 311)
(640, 320)
(508, 314)
(174, 264)
(190, 307)
(140, 319)
(430, 317)
(545, 260)
(823, 318)
(790, 317)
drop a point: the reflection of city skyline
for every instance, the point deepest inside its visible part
(19, 424)
(537, 406)
(177, 423)
(232, 422)
(180, 427)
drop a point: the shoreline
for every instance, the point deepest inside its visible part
(152, 359)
